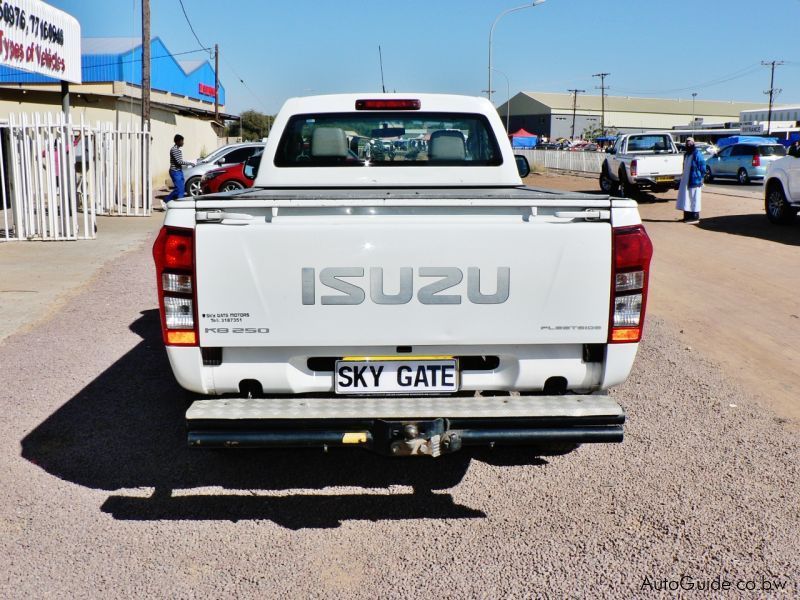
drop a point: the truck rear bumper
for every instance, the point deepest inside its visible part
(404, 426)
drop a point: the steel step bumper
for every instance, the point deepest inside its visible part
(403, 425)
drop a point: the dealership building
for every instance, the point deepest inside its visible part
(550, 115)
(182, 96)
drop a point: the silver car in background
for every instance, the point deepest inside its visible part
(226, 155)
(745, 162)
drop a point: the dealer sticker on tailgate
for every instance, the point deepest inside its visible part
(414, 375)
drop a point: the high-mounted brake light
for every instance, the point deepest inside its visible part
(173, 253)
(388, 104)
(629, 280)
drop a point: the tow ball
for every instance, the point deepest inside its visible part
(421, 438)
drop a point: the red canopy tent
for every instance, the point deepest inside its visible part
(523, 139)
(521, 133)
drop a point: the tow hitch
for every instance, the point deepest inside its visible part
(417, 438)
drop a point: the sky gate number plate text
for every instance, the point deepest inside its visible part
(405, 376)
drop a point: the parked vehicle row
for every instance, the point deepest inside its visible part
(232, 154)
(233, 177)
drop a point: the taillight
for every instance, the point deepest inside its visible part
(173, 253)
(756, 160)
(386, 104)
(629, 277)
(634, 167)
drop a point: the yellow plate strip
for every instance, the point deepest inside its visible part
(408, 357)
(359, 437)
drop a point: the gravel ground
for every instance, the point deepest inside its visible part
(99, 496)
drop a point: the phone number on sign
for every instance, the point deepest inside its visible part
(13, 16)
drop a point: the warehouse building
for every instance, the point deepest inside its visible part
(551, 114)
(182, 96)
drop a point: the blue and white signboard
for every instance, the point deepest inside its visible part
(36, 37)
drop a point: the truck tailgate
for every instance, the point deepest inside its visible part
(665, 164)
(342, 274)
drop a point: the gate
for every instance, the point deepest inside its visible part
(56, 176)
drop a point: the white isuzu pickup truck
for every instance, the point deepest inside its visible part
(410, 303)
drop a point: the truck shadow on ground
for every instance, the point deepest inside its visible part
(755, 226)
(125, 430)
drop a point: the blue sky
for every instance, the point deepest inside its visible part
(662, 48)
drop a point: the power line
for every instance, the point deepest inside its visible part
(738, 74)
(247, 87)
(202, 45)
(186, 16)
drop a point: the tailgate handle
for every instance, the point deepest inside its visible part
(584, 214)
(218, 216)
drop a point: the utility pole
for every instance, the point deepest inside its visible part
(145, 65)
(216, 83)
(694, 116)
(771, 91)
(603, 88)
(145, 152)
(574, 108)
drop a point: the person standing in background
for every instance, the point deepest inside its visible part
(690, 189)
(176, 163)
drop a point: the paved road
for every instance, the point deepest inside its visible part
(100, 498)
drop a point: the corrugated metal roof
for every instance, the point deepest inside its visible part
(191, 65)
(109, 45)
(563, 102)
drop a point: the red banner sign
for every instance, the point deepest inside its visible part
(206, 90)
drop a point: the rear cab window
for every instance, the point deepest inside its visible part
(650, 143)
(388, 139)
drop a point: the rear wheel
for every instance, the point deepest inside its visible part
(607, 185)
(742, 176)
(776, 206)
(626, 187)
(231, 186)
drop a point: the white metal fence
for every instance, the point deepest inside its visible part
(587, 162)
(57, 176)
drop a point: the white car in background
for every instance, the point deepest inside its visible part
(782, 190)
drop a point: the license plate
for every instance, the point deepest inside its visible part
(396, 376)
(664, 178)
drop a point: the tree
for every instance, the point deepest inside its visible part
(594, 131)
(254, 125)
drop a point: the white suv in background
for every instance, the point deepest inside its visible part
(782, 190)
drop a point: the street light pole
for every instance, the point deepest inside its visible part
(694, 95)
(508, 95)
(491, 34)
